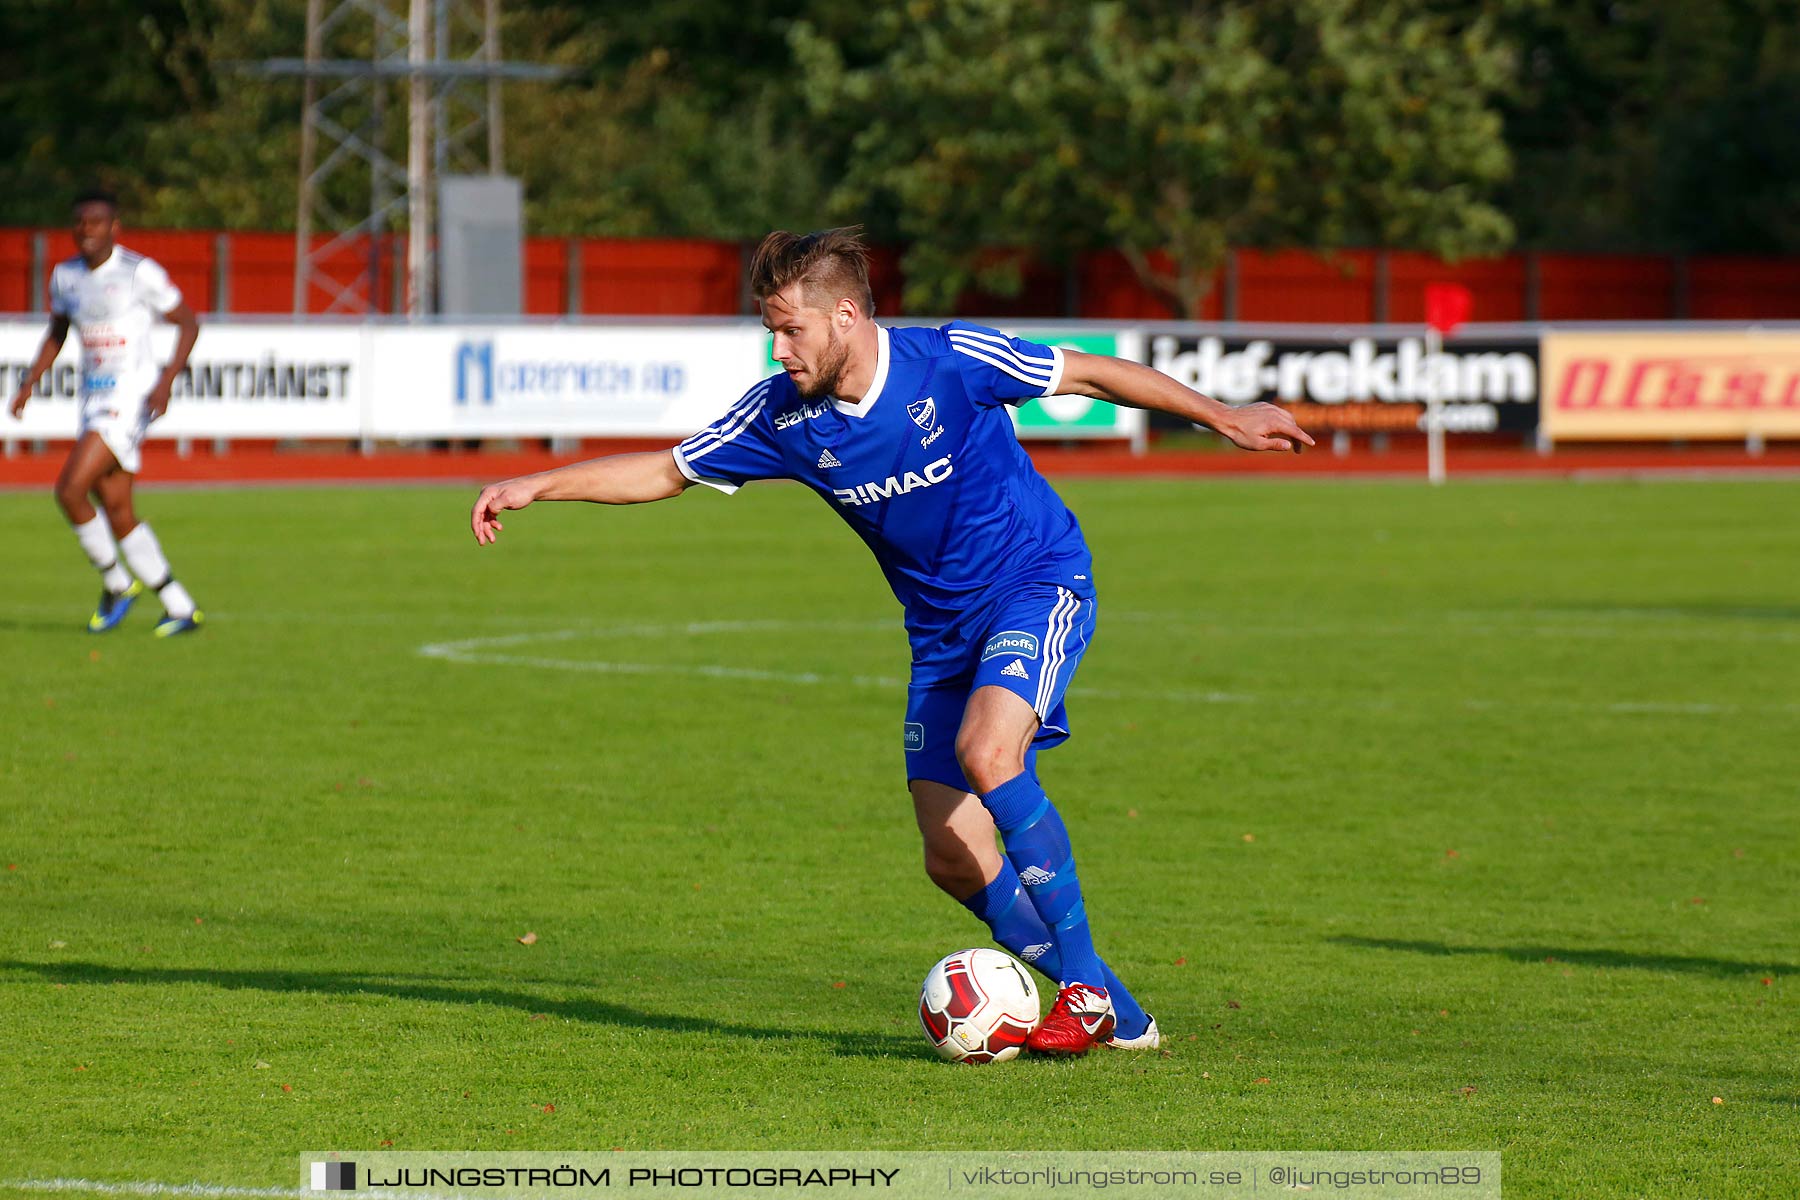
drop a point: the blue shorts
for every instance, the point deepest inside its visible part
(1030, 644)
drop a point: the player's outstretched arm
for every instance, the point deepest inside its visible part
(615, 479)
(1252, 427)
(54, 337)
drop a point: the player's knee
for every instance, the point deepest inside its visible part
(987, 762)
(70, 496)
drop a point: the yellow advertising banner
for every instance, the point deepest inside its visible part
(1670, 385)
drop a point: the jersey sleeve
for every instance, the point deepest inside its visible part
(736, 448)
(60, 303)
(155, 288)
(1003, 370)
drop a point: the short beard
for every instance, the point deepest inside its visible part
(830, 372)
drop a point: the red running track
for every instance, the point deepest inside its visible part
(260, 463)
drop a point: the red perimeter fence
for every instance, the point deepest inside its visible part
(253, 273)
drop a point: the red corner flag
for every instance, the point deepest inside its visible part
(1447, 305)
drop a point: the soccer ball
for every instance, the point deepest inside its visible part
(978, 1006)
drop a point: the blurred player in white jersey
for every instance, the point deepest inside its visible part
(114, 297)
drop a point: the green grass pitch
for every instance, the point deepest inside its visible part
(1453, 819)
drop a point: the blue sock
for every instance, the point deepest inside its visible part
(1005, 909)
(1037, 845)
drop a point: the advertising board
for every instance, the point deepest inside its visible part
(1362, 383)
(249, 380)
(471, 381)
(1675, 384)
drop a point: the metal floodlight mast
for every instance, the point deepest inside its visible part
(358, 54)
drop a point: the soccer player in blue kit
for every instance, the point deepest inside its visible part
(901, 432)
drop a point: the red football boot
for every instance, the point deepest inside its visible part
(1081, 1018)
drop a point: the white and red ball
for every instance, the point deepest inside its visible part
(978, 1006)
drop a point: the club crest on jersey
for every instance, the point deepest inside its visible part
(923, 412)
(1011, 641)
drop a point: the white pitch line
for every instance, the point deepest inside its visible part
(480, 651)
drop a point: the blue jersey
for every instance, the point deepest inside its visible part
(926, 469)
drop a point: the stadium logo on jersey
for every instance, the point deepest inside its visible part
(915, 736)
(805, 412)
(828, 460)
(923, 412)
(475, 372)
(894, 485)
(1011, 641)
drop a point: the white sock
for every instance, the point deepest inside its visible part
(145, 556)
(96, 538)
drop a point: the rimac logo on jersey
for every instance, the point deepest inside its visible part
(923, 412)
(894, 485)
(1011, 641)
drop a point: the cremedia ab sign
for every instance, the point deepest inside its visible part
(1362, 383)
(482, 378)
(613, 380)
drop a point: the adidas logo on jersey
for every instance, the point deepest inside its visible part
(828, 459)
(1016, 669)
(1035, 876)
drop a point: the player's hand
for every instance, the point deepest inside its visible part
(17, 407)
(157, 402)
(1265, 427)
(496, 498)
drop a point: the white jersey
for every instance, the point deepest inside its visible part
(113, 309)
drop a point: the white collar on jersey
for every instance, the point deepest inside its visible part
(107, 262)
(875, 386)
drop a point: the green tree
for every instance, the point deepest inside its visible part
(651, 135)
(80, 86)
(1171, 131)
(1654, 124)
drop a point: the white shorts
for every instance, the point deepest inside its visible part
(120, 423)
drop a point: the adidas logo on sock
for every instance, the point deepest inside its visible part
(828, 459)
(1016, 668)
(1035, 876)
(1033, 953)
